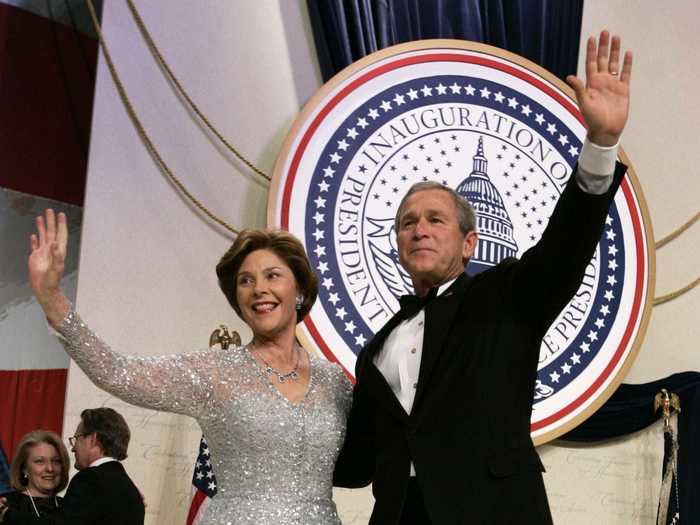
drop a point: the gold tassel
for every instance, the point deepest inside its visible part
(671, 406)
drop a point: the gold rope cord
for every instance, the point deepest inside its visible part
(677, 232)
(663, 242)
(161, 61)
(142, 132)
(670, 296)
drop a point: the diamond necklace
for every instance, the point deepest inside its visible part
(292, 376)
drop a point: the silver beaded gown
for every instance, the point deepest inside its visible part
(273, 459)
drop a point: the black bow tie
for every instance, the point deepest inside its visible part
(412, 304)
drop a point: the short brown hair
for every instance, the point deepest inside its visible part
(284, 245)
(465, 212)
(110, 428)
(19, 463)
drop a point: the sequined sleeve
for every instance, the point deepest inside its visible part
(341, 387)
(178, 383)
(343, 390)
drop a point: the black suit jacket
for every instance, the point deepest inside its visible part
(21, 509)
(468, 433)
(102, 495)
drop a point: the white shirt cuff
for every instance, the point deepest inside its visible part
(596, 166)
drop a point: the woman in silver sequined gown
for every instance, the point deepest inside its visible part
(273, 435)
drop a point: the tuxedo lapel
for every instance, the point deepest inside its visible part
(382, 392)
(439, 318)
(377, 343)
(371, 376)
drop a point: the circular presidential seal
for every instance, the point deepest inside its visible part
(503, 133)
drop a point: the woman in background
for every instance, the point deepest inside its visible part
(39, 471)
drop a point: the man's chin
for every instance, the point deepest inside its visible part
(427, 277)
(419, 267)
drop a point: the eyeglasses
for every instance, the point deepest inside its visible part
(73, 439)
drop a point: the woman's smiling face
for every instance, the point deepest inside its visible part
(266, 290)
(43, 469)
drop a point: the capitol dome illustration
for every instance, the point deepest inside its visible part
(496, 241)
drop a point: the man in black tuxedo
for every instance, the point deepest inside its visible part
(102, 492)
(440, 422)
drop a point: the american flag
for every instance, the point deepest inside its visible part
(203, 485)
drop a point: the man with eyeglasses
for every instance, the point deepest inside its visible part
(101, 493)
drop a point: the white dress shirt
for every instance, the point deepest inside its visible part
(399, 360)
(400, 356)
(101, 461)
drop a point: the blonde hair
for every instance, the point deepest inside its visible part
(19, 463)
